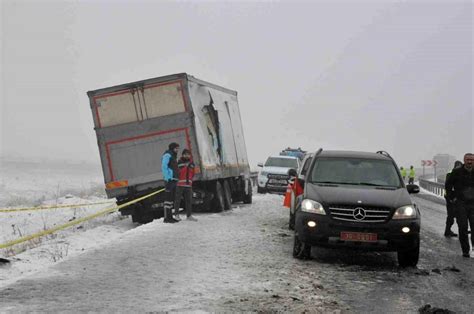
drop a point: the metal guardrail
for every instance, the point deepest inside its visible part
(434, 187)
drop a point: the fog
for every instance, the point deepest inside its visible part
(394, 76)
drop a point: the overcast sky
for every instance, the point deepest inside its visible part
(394, 76)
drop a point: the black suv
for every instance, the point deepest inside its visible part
(357, 200)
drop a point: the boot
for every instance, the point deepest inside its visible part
(448, 234)
(191, 218)
(168, 216)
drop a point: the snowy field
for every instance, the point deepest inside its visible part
(31, 183)
(27, 184)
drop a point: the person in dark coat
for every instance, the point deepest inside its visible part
(169, 168)
(185, 185)
(462, 182)
(450, 206)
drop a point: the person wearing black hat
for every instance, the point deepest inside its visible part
(169, 168)
(450, 206)
(462, 182)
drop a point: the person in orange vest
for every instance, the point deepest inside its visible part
(294, 187)
(184, 187)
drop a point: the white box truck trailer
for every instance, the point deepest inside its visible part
(136, 122)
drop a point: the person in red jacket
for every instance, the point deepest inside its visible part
(184, 187)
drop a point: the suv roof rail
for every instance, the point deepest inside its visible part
(318, 151)
(382, 152)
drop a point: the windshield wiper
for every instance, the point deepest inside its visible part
(368, 183)
(329, 182)
(379, 185)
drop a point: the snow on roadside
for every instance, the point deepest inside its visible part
(35, 255)
(28, 184)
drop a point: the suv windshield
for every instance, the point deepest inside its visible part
(281, 162)
(358, 171)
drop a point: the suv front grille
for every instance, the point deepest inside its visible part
(278, 176)
(359, 213)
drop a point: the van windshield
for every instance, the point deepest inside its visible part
(281, 162)
(355, 171)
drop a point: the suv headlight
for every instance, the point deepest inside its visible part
(263, 173)
(311, 206)
(405, 212)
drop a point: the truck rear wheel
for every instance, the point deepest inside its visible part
(141, 215)
(218, 201)
(227, 196)
(248, 197)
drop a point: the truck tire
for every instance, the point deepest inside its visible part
(136, 218)
(248, 197)
(227, 196)
(140, 215)
(218, 203)
(207, 202)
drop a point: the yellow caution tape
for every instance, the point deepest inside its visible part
(75, 222)
(8, 210)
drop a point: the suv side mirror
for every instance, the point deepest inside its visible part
(260, 164)
(292, 172)
(413, 188)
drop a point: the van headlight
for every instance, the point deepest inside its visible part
(405, 212)
(311, 206)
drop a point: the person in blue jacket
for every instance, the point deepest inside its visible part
(169, 168)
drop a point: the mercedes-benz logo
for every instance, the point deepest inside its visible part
(359, 213)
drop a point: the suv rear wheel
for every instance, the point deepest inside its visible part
(291, 224)
(409, 258)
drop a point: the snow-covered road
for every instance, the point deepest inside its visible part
(241, 261)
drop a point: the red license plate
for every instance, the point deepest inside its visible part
(358, 236)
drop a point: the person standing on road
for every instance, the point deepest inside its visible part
(462, 182)
(185, 185)
(411, 175)
(450, 206)
(169, 168)
(403, 172)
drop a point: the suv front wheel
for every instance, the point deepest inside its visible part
(409, 258)
(301, 250)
